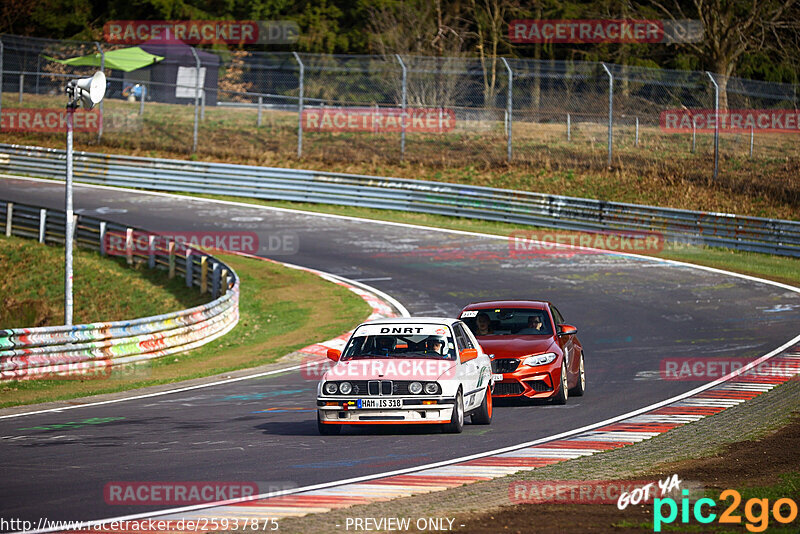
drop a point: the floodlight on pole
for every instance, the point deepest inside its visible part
(85, 92)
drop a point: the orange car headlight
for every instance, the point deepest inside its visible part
(539, 359)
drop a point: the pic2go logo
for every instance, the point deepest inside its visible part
(756, 511)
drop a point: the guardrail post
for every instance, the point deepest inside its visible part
(171, 252)
(203, 274)
(196, 98)
(21, 83)
(258, 117)
(103, 69)
(189, 267)
(569, 128)
(694, 133)
(716, 124)
(751, 140)
(509, 108)
(403, 101)
(129, 245)
(9, 217)
(42, 224)
(636, 143)
(223, 288)
(151, 251)
(610, 112)
(103, 238)
(300, 105)
(215, 280)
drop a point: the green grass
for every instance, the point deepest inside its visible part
(104, 289)
(281, 310)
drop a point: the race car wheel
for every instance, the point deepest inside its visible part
(483, 415)
(561, 396)
(328, 430)
(580, 387)
(456, 424)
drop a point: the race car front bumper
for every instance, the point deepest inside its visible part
(346, 412)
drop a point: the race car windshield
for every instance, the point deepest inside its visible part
(508, 322)
(437, 347)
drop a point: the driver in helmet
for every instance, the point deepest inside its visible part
(384, 344)
(434, 344)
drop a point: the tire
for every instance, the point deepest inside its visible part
(483, 414)
(456, 424)
(328, 429)
(580, 387)
(563, 394)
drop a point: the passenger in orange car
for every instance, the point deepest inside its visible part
(483, 325)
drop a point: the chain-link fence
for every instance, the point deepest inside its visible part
(430, 110)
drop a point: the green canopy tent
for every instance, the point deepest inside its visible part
(124, 59)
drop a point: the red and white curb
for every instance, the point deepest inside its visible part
(620, 433)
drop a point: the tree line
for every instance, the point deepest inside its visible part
(757, 39)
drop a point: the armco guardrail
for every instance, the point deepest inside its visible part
(91, 350)
(756, 234)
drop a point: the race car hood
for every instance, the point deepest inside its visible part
(515, 346)
(391, 369)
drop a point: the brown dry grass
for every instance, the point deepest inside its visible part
(660, 171)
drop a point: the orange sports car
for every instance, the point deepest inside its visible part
(534, 352)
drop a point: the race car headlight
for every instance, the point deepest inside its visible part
(431, 388)
(539, 359)
(345, 388)
(331, 388)
(415, 388)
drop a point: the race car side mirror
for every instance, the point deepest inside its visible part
(468, 354)
(334, 354)
(566, 330)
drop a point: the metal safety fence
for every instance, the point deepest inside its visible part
(755, 234)
(93, 350)
(455, 109)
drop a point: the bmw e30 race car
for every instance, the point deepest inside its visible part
(406, 371)
(534, 353)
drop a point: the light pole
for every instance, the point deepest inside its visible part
(86, 92)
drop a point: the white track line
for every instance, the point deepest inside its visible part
(378, 293)
(592, 426)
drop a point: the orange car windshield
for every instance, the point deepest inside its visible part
(508, 322)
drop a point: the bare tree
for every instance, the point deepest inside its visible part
(423, 28)
(732, 28)
(491, 18)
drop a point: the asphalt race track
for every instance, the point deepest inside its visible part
(632, 313)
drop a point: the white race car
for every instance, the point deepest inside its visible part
(406, 371)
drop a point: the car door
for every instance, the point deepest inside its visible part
(471, 370)
(567, 343)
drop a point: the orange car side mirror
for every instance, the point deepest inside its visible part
(334, 354)
(468, 354)
(566, 330)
